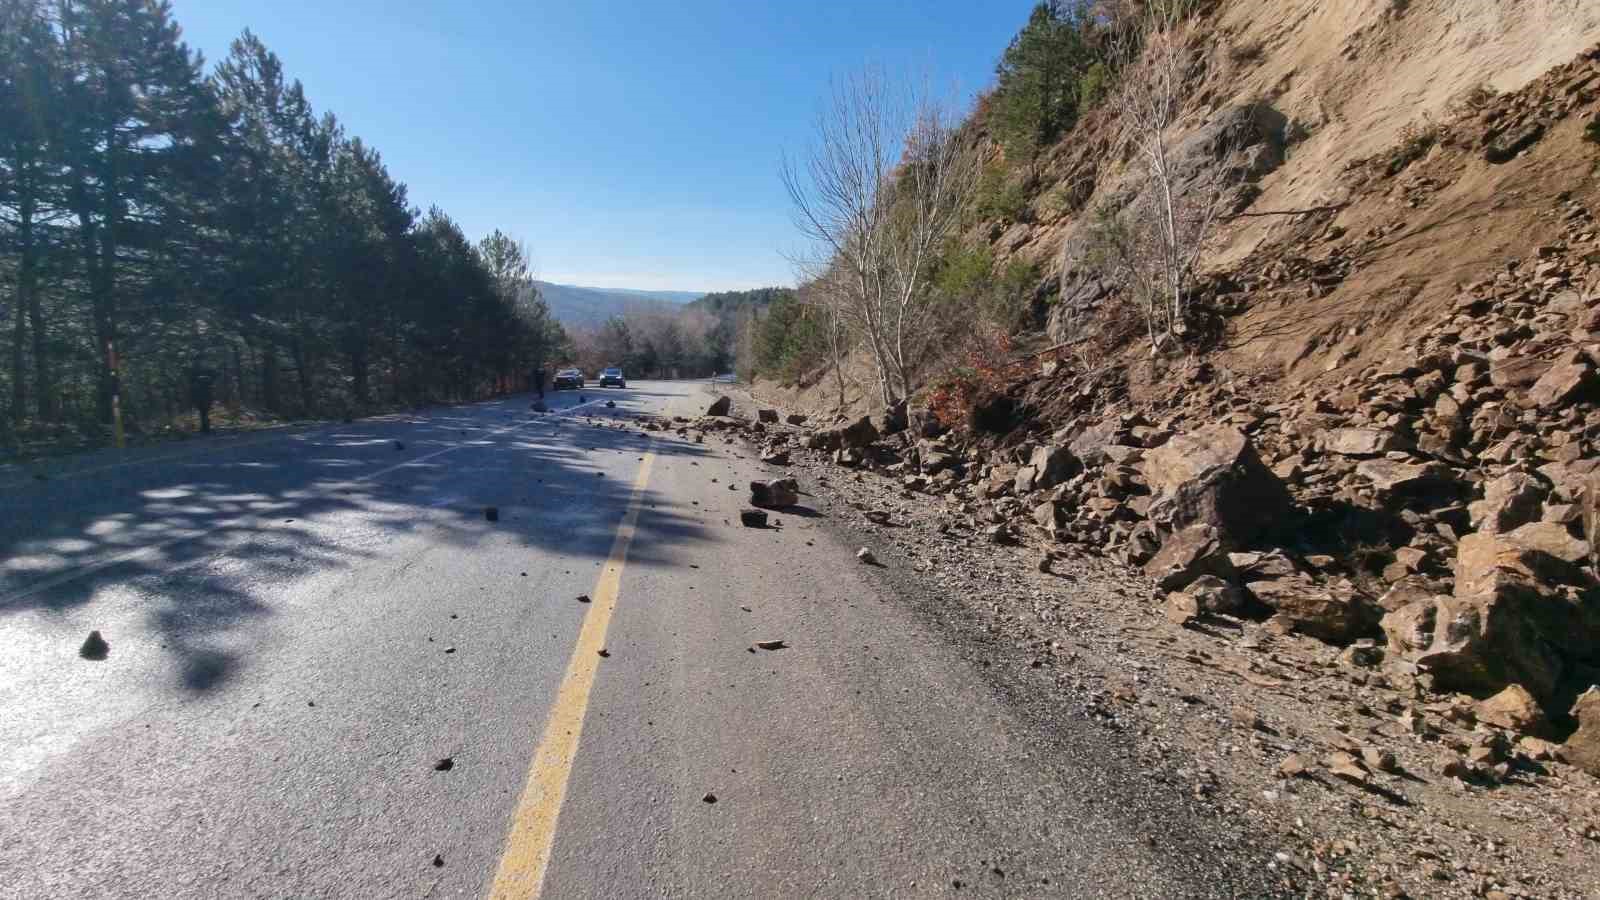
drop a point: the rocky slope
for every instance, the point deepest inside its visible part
(1351, 539)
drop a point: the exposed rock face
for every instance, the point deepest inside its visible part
(1213, 477)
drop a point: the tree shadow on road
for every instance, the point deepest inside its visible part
(208, 545)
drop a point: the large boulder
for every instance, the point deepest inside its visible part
(1052, 465)
(1570, 379)
(720, 405)
(1089, 446)
(1213, 477)
(1513, 709)
(1187, 555)
(1334, 611)
(776, 494)
(1582, 749)
(892, 420)
(1513, 499)
(1558, 553)
(849, 436)
(1510, 621)
(1214, 596)
(858, 434)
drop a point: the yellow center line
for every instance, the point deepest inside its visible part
(533, 824)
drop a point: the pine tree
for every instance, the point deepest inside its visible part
(139, 128)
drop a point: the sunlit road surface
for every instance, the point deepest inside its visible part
(332, 675)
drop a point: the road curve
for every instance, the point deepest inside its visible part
(302, 627)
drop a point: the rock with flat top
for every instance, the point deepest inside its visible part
(775, 494)
(1333, 611)
(1514, 709)
(1213, 477)
(1570, 379)
(1507, 622)
(1360, 441)
(1188, 554)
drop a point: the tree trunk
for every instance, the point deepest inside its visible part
(19, 394)
(359, 375)
(297, 352)
(105, 339)
(270, 395)
(237, 384)
(28, 302)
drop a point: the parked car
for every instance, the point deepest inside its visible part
(612, 377)
(569, 378)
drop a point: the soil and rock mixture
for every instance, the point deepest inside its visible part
(1374, 785)
(1349, 594)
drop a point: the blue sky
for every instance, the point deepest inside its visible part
(630, 144)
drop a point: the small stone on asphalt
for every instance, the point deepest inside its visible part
(94, 647)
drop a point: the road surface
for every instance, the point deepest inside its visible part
(304, 627)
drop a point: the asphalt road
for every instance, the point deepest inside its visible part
(303, 625)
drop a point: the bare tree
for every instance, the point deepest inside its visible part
(1151, 247)
(879, 192)
(825, 296)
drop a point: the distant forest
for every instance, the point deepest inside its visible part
(701, 338)
(169, 232)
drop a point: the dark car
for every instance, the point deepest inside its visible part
(612, 377)
(569, 378)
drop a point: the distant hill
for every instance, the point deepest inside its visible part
(576, 306)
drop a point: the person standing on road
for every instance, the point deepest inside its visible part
(538, 381)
